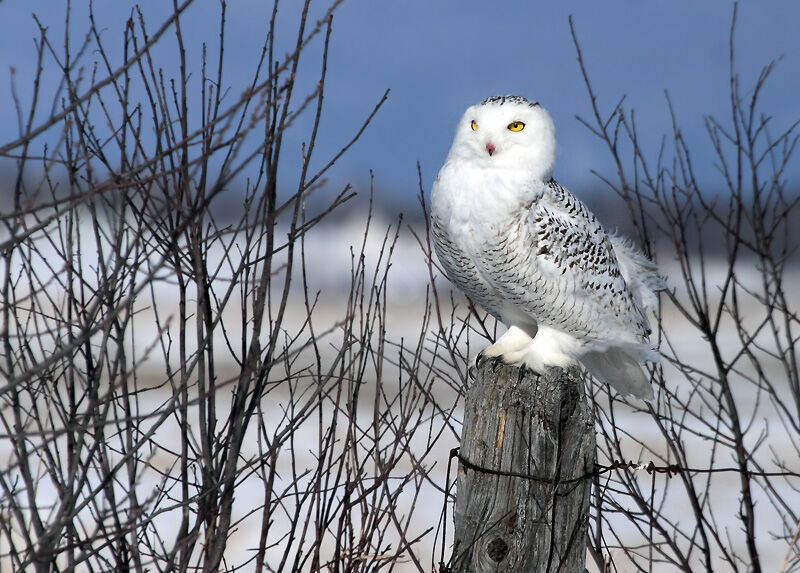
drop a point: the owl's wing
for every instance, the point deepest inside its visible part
(582, 279)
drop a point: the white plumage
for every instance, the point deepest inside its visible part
(531, 254)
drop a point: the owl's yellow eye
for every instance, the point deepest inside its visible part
(474, 125)
(516, 126)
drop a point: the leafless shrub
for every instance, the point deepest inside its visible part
(171, 397)
(725, 422)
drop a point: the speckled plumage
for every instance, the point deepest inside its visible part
(531, 254)
(514, 99)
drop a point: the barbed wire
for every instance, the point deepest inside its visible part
(670, 470)
(651, 468)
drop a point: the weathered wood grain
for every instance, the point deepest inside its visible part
(538, 426)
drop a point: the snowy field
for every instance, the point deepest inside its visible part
(329, 259)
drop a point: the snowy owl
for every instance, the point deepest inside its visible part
(531, 254)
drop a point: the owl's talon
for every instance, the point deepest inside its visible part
(479, 358)
(497, 361)
(521, 373)
(472, 372)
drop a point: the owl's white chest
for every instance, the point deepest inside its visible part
(478, 221)
(472, 203)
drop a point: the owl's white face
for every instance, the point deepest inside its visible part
(507, 132)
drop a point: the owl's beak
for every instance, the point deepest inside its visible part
(490, 148)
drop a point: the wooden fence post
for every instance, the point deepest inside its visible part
(527, 447)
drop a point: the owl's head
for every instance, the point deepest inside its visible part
(507, 132)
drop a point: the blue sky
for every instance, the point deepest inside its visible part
(440, 56)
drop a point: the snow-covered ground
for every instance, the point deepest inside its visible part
(329, 257)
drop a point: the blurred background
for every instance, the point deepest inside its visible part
(436, 58)
(439, 57)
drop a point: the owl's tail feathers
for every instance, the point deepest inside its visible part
(614, 366)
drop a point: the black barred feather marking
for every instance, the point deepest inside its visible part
(460, 268)
(500, 100)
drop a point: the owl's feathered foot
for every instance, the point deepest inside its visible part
(495, 362)
(529, 355)
(513, 340)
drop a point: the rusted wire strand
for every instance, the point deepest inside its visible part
(651, 468)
